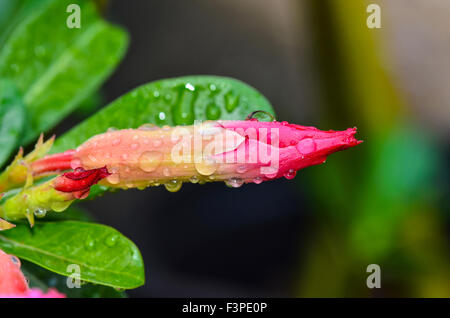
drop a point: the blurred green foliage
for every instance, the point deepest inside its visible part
(371, 199)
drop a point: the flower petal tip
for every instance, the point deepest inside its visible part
(80, 180)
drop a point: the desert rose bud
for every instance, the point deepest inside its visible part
(236, 152)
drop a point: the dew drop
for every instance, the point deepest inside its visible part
(113, 178)
(60, 206)
(241, 169)
(260, 115)
(194, 179)
(212, 112)
(271, 172)
(134, 146)
(212, 87)
(125, 156)
(116, 141)
(40, 212)
(306, 146)
(92, 158)
(161, 118)
(166, 172)
(290, 174)
(258, 180)
(148, 127)
(206, 167)
(15, 260)
(190, 87)
(89, 243)
(173, 185)
(150, 160)
(111, 129)
(111, 240)
(234, 182)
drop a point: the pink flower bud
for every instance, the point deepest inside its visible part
(236, 152)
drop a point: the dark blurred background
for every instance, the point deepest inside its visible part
(384, 202)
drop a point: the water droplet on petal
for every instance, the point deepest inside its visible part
(15, 260)
(270, 172)
(40, 212)
(194, 179)
(306, 146)
(150, 160)
(113, 178)
(134, 146)
(92, 158)
(116, 141)
(166, 172)
(234, 182)
(241, 169)
(206, 167)
(258, 180)
(60, 206)
(173, 185)
(290, 174)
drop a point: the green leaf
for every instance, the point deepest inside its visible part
(176, 101)
(12, 118)
(104, 255)
(55, 67)
(12, 12)
(43, 279)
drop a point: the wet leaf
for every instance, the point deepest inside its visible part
(12, 119)
(103, 255)
(55, 67)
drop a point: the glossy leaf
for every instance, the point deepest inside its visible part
(12, 118)
(103, 254)
(56, 67)
(176, 101)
